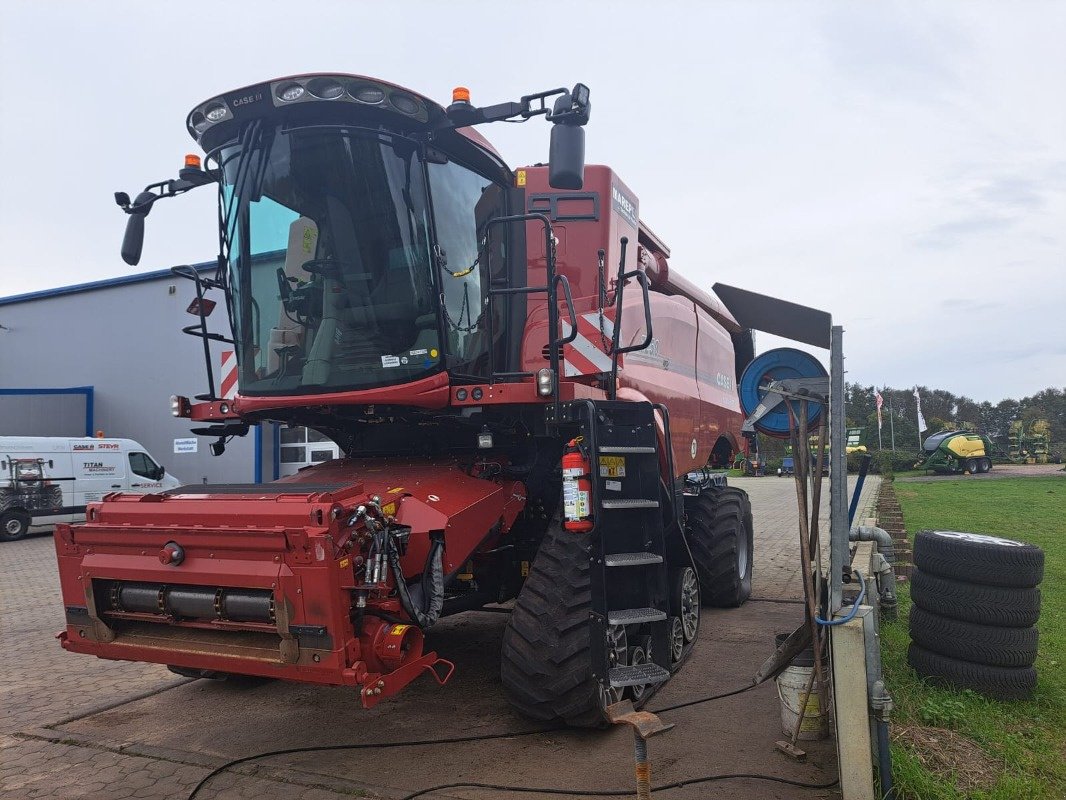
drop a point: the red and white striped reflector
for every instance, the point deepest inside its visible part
(586, 354)
(228, 379)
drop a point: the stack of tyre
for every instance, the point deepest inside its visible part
(975, 607)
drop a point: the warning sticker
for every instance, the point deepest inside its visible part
(520, 178)
(614, 486)
(420, 352)
(612, 467)
(390, 361)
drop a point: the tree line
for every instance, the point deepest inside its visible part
(944, 410)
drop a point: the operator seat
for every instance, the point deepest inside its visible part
(286, 332)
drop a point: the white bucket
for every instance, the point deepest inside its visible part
(791, 685)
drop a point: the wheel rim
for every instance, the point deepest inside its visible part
(13, 527)
(617, 656)
(638, 656)
(677, 639)
(690, 604)
(742, 552)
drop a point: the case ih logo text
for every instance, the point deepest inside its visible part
(246, 99)
(78, 447)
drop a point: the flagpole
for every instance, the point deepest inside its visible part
(892, 423)
(879, 401)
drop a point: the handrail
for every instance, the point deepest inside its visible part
(185, 271)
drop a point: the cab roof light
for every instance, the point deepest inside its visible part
(460, 94)
(192, 161)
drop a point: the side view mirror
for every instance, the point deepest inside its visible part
(133, 241)
(158, 474)
(566, 156)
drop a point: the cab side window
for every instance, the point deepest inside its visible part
(141, 464)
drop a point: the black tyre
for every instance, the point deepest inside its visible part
(984, 465)
(981, 644)
(1000, 683)
(971, 602)
(971, 465)
(546, 661)
(721, 537)
(978, 558)
(14, 525)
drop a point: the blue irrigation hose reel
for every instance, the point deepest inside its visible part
(791, 371)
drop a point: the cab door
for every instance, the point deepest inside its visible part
(144, 473)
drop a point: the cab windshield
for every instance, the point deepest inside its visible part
(331, 261)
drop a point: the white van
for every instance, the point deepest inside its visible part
(48, 480)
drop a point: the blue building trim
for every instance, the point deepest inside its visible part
(87, 391)
(259, 453)
(277, 450)
(124, 280)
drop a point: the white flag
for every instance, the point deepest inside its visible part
(880, 402)
(922, 427)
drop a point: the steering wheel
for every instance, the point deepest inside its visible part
(332, 268)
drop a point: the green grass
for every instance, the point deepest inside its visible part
(1025, 741)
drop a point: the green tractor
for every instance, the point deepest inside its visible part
(956, 451)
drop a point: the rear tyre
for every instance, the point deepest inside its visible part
(984, 465)
(14, 525)
(971, 465)
(720, 535)
(546, 658)
(971, 602)
(1000, 683)
(978, 558)
(981, 644)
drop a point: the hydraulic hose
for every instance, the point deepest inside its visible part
(424, 602)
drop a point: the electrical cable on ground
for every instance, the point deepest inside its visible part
(620, 792)
(510, 735)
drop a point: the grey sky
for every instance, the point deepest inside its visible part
(901, 165)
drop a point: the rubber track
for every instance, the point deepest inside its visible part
(1000, 683)
(715, 520)
(546, 663)
(981, 644)
(973, 602)
(979, 562)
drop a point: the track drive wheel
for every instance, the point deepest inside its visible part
(720, 535)
(546, 659)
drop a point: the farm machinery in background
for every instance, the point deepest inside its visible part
(1032, 446)
(956, 451)
(532, 404)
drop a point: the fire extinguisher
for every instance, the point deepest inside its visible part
(577, 488)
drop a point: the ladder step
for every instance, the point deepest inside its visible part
(635, 616)
(631, 559)
(635, 503)
(613, 449)
(638, 675)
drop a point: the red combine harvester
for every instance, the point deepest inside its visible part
(533, 406)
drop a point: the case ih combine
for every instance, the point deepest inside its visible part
(530, 401)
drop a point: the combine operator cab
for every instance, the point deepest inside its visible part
(516, 423)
